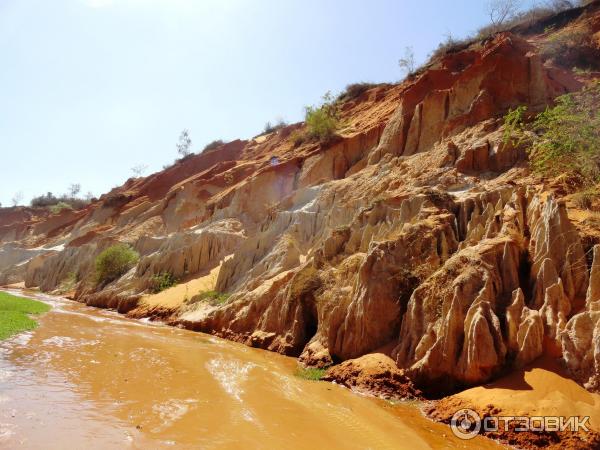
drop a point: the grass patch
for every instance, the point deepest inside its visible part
(310, 373)
(212, 297)
(14, 314)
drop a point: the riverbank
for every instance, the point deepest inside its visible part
(541, 389)
(107, 381)
(16, 312)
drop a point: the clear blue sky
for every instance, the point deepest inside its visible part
(91, 88)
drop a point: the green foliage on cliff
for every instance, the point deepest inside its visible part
(14, 314)
(514, 124)
(55, 209)
(114, 262)
(212, 297)
(569, 138)
(322, 121)
(161, 281)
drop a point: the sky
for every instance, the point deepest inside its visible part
(91, 88)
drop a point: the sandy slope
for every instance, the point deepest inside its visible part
(542, 389)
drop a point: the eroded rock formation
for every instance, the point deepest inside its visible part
(419, 233)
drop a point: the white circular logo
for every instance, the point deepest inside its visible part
(465, 423)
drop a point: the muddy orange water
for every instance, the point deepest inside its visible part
(91, 379)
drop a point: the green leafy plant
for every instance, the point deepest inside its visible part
(310, 373)
(55, 209)
(322, 121)
(569, 141)
(114, 261)
(514, 125)
(161, 281)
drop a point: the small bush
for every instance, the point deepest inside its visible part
(569, 141)
(297, 137)
(113, 262)
(514, 125)
(161, 281)
(212, 297)
(450, 45)
(55, 209)
(270, 128)
(116, 200)
(354, 90)
(68, 283)
(572, 48)
(585, 199)
(56, 204)
(212, 145)
(322, 122)
(44, 200)
(310, 373)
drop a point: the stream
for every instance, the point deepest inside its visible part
(91, 379)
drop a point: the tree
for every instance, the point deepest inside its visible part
(407, 62)
(74, 189)
(139, 170)
(184, 144)
(17, 198)
(501, 11)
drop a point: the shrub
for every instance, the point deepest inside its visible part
(212, 297)
(450, 45)
(49, 200)
(161, 281)
(572, 48)
(55, 209)
(322, 121)
(354, 90)
(514, 125)
(114, 261)
(44, 200)
(270, 128)
(297, 137)
(212, 145)
(569, 142)
(116, 200)
(585, 199)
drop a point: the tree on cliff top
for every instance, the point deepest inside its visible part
(501, 11)
(184, 144)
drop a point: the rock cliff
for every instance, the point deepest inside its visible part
(419, 232)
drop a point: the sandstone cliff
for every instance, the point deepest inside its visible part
(419, 232)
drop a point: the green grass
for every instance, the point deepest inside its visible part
(14, 314)
(310, 373)
(212, 297)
